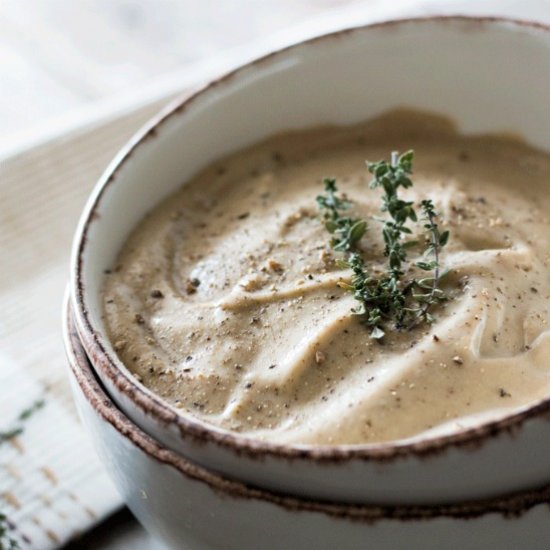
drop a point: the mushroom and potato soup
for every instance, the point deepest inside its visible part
(233, 301)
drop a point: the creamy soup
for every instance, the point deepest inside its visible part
(224, 300)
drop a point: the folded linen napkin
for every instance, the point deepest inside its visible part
(52, 486)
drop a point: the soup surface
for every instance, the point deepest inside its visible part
(224, 300)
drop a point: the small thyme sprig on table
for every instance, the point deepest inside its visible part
(6, 541)
(22, 417)
(388, 298)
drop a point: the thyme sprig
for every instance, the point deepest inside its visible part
(389, 298)
(346, 231)
(436, 241)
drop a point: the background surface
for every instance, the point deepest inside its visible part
(77, 78)
(58, 56)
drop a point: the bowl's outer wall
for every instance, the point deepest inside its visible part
(185, 511)
(488, 76)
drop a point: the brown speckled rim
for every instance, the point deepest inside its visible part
(200, 432)
(509, 506)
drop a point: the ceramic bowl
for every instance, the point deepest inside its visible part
(489, 75)
(186, 506)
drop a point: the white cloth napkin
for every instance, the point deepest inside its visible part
(52, 486)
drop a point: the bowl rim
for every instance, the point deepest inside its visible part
(508, 506)
(151, 404)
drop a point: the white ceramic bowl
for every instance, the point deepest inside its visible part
(186, 506)
(489, 75)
